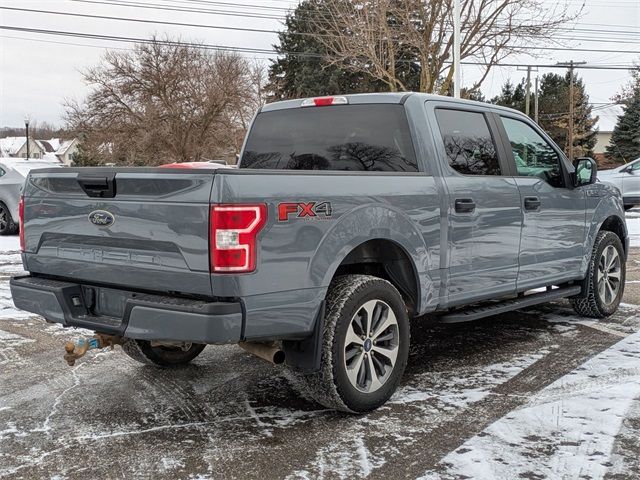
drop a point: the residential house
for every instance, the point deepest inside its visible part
(16, 147)
(63, 151)
(67, 150)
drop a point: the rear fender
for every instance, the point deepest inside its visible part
(369, 222)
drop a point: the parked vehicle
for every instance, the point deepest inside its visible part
(13, 172)
(627, 179)
(346, 217)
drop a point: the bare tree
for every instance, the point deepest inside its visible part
(165, 101)
(374, 35)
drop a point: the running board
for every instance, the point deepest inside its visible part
(476, 313)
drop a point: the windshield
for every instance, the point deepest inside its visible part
(373, 137)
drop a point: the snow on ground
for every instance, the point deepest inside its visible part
(9, 243)
(462, 410)
(633, 225)
(567, 430)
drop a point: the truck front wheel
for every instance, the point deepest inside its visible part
(143, 352)
(604, 285)
(365, 345)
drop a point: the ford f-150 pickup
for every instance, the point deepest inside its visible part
(347, 216)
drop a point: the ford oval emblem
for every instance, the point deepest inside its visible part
(101, 218)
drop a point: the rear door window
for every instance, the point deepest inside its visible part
(371, 138)
(468, 144)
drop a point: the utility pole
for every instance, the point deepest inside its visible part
(456, 49)
(527, 100)
(535, 103)
(571, 65)
(527, 97)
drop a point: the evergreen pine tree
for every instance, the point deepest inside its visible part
(554, 113)
(625, 139)
(303, 70)
(512, 96)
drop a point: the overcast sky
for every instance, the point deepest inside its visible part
(37, 75)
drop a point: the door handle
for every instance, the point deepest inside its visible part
(531, 203)
(465, 205)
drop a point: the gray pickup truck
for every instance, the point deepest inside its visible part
(347, 216)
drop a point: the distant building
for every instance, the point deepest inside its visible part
(606, 123)
(16, 147)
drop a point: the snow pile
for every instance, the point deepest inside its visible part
(567, 430)
(633, 225)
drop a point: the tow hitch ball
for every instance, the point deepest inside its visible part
(78, 349)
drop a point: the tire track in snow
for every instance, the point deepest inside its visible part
(506, 397)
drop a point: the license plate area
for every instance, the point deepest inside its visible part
(109, 302)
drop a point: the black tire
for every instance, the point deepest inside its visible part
(591, 302)
(347, 296)
(143, 352)
(628, 207)
(7, 225)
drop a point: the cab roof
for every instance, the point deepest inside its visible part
(384, 97)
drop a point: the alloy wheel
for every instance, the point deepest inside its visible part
(371, 346)
(3, 218)
(608, 275)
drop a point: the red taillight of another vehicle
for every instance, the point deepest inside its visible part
(21, 226)
(233, 239)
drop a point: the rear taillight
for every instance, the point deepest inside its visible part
(21, 226)
(233, 236)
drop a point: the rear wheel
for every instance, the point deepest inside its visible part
(365, 345)
(605, 278)
(7, 225)
(143, 352)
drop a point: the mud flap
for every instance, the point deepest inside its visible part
(305, 355)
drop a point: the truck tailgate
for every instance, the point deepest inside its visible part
(142, 228)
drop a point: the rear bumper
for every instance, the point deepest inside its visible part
(129, 314)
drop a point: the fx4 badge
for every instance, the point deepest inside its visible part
(303, 210)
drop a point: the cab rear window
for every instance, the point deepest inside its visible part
(372, 137)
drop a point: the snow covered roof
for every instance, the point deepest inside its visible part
(64, 146)
(11, 145)
(55, 143)
(608, 117)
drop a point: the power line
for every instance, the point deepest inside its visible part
(259, 30)
(139, 20)
(181, 9)
(155, 6)
(262, 51)
(40, 40)
(288, 10)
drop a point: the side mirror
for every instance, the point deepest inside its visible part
(586, 171)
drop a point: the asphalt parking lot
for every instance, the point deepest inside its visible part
(532, 394)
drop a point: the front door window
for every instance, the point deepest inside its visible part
(534, 156)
